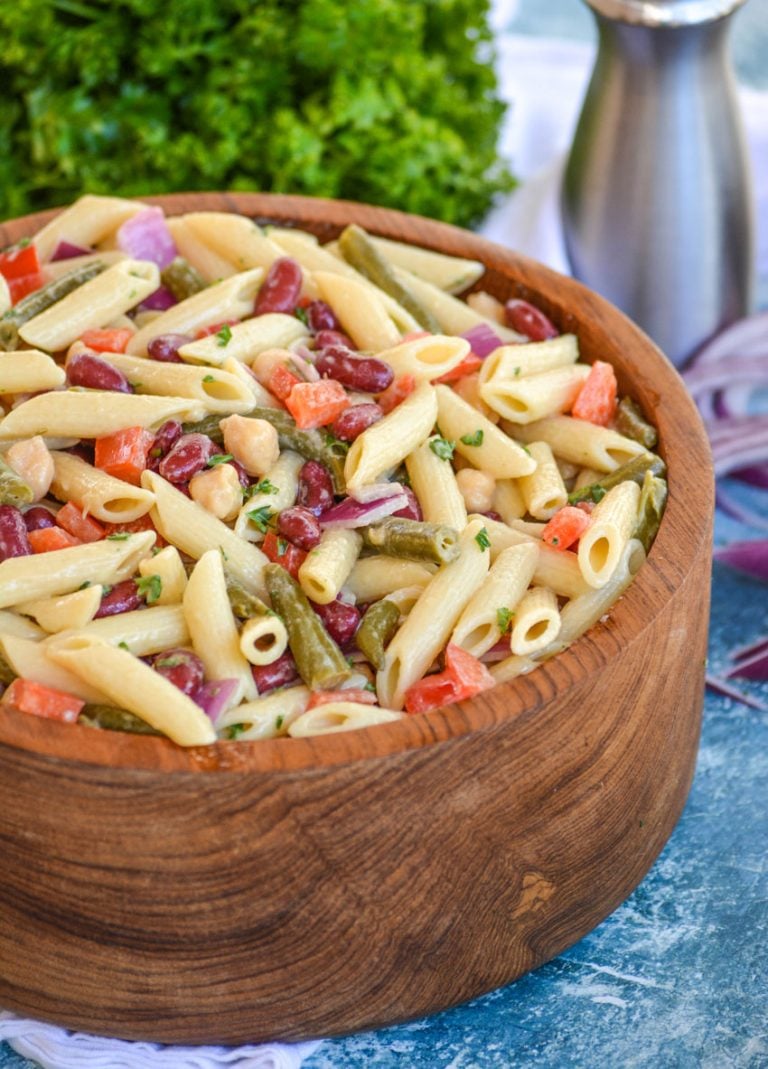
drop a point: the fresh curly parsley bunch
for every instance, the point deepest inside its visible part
(388, 101)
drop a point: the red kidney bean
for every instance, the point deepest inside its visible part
(84, 450)
(278, 674)
(354, 420)
(165, 438)
(165, 347)
(492, 515)
(279, 292)
(299, 526)
(315, 490)
(320, 316)
(38, 517)
(525, 318)
(123, 597)
(187, 457)
(340, 620)
(14, 541)
(242, 474)
(411, 511)
(181, 667)
(364, 373)
(87, 369)
(324, 338)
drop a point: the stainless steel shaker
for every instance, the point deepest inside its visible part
(657, 202)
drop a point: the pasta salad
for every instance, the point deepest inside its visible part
(254, 486)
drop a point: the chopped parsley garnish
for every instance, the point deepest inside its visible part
(442, 448)
(105, 590)
(279, 721)
(209, 378)
(473, 439)
(525, 449)
(264, 487)
(597, 493)
(224, 336)
(84, 585)
(219, 458)
(516, 372)
(504, 619)
(260, 517)
(156, 452)
(234, 730)
(118, 536)
(370, 687)
(149, 587)
(282, 547)
(169, 662)
(301, 313)
(555, 540)
(482, 538)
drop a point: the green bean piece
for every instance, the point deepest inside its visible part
(7, 674)
(359, 251)
(244, 604)
(13, 489)
(182, 279)
(109, 718)
(311, 445)
(653, 501)
(319, 661)
(413, 540)
(632, 424)
(376, 630)
(37, 302)
(634, 469)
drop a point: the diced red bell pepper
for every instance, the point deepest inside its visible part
(47, 539)
(597, 400)
(124, 454)
(143, 523)
(34, 698)
(107, 341)
(203, 332)
(468, 366)
(396, 393)
(280, 551)
(74, 521)
(464, 676)
(323, 697)
(316, 404)
(24, 285)
(566, 527)
(18, 261)
(282, 381)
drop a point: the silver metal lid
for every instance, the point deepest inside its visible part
(665, 12)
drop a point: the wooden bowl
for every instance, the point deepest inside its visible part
(305, 887)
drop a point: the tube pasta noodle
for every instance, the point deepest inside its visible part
(92, 414)
(611, 525)
(276, 588)
(88, 221)
(212, 626)
(265, 718)
(64, 570)
(271, 331)
(388, 442)
(92, 305)
(433, 480)
(432, 619)
(131, 684)
(537, 622)
(329, 564)
(332, 717)
(29, 371)
(187, 525)
(533, 397)
(496, 453)
(582, 443)
(479, 627)
(231, 298)
(100, 495)
(68, 611)
(543, 490)
(373, 578)
(509, 363)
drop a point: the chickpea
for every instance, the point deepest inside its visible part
(265, 363)
(31, 461)
(477, 489)
(218, 490)
(252, 442)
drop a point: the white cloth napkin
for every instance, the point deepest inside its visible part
(55, 1048)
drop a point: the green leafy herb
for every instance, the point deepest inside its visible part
(124, 646)
(301, 313)
(264, 487)
(169, 662)
(105, 589)
(482, 538)
(525, 449)
(234, 730)
(473, 439)
(370, 687)
(279, 721)
(282, 547)
(84, 585)
(597, 493)
(149, 587)
(516, 372)
(209, 378)
(219, 458)
(260, 517)
(224, 336)
(504, 619)
(118, 536)
(442, 448)
(555, 540)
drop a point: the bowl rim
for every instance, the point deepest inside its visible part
(683, 443)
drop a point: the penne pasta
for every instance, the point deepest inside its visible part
(362, 314)
(451, 273)
(328, 566)
(453, 315)
(376, 577)
(433, 480)
(202, 257)
(67, 611)
(32, 660)
(168, 566)
(612, 523)
(283, 482)
(88, 221)
(29, 371)
(387, 443)
(510, 363)
(581, 443)
(543, 491)
(235, 238)
(534, 397)
(218, 391)
(496, 453)
(246, 340)
(491, 610)
(93, 414)
(143, 631)
(264, 718)
(98, 494)
(19, 626)
(427, 358)
(331, 717)
(537, 622)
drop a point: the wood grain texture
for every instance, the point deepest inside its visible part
(293, 888)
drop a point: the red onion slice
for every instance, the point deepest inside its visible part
(350, 513)
(483, 339)
(145, 236)
(159, 301)
(215, 697)
(65, 250)
(376, 491)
